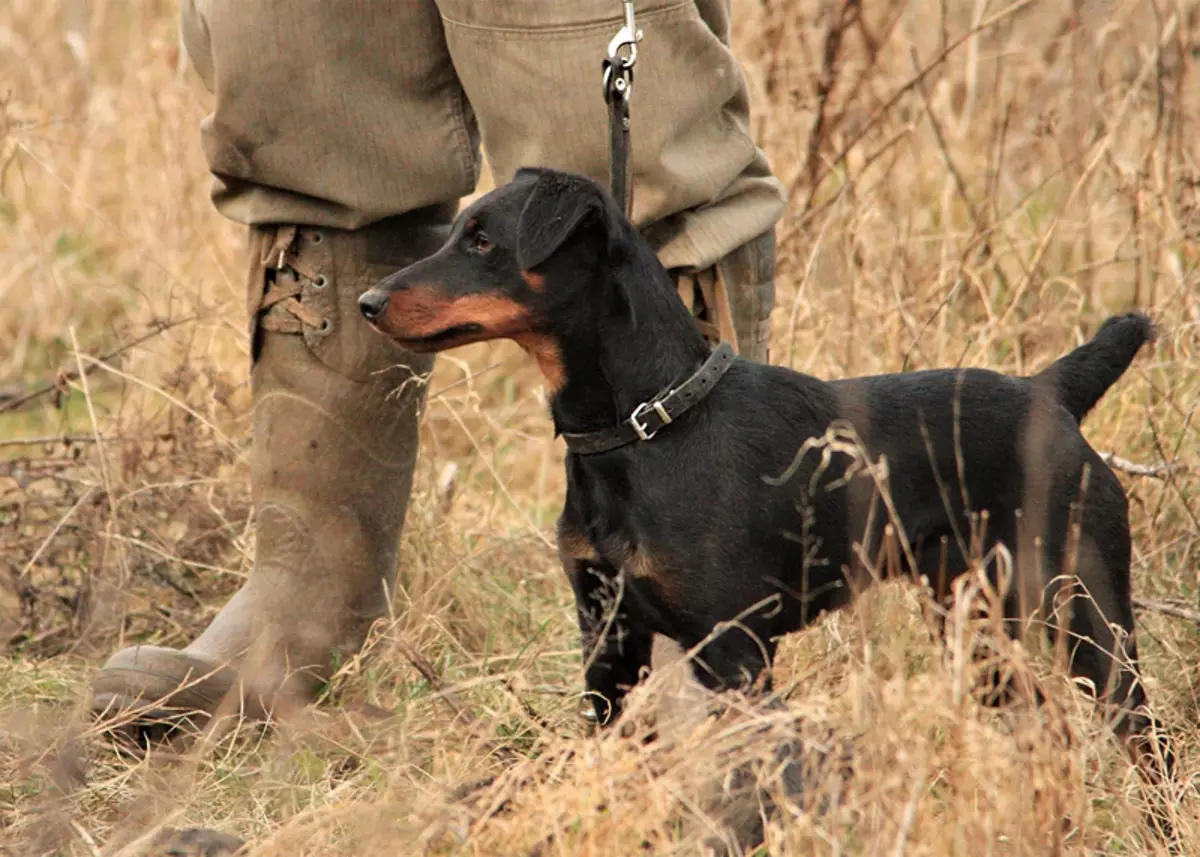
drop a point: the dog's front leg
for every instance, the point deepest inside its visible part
(615, 649)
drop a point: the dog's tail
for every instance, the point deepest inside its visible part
(1081, 378)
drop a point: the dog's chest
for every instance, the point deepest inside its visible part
(651, 521)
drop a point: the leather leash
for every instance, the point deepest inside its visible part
(618, 84)
(648, 417)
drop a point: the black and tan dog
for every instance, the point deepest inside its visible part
(675, 510)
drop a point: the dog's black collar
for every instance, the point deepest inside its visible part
(648, 417)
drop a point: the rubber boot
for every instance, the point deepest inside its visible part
(732, 301)
(336, 410)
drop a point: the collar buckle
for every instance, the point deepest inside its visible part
(641, 429)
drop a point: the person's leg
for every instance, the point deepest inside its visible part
(341, 138)
(703, 192)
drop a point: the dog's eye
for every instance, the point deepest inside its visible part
(480, 243)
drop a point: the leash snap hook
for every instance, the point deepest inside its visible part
(626, 39)
(644, 408)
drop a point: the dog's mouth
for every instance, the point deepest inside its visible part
(451, 337)
(423, 319)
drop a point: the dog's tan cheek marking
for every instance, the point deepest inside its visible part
(417, 307)
(417, 315)
(544, 349)
(499, 317)
(537, 282)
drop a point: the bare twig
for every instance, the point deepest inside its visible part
(53, 532)
(920, 786)
(174, 400)
(847, 18)
(903, 90)
(1089, 169)
(468, 378)
(530, 711)
(74, 374)
(72, 439)
(1168, 609)
(425, 668)
(960, 183)
(1154, 471)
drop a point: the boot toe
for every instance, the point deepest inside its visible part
(146, 690)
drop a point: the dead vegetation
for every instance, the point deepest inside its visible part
(970, 184)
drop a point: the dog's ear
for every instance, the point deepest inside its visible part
(558, 205)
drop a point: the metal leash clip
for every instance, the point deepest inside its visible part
(626, 39)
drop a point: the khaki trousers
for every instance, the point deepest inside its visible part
(337, 113)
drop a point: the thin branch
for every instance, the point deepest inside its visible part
(468, 378)
(54, 532)
(848, 17)
(1155, 471)
(1099, 151)
(1168, 609)
(74, 374)
(895, 97)
(960, 183)
(72, 439)
(425, 668)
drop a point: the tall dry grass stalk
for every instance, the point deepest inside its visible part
(970, 184)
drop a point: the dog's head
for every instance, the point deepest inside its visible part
(525, 259)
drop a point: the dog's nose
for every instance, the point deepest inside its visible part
(372, 304)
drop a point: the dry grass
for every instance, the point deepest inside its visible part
(971, 183)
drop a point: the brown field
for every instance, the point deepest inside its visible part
(972, 184)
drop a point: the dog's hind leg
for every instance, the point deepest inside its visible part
(1101, 648)
(1119, 684)
(1110, 664)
